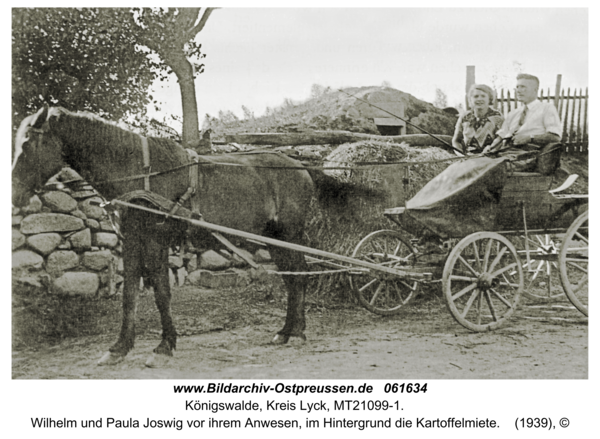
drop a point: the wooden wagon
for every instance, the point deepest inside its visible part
(490, 235)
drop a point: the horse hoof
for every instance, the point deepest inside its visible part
(291, 340)
(157, 360)
(110, 359)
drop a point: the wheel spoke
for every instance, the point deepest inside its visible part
(464, 291)
(466, 264)
(572, 264)
(412, 287)
(469, 303)
(580, 284)
(465, 278)
(503, 269)
(367, 285)
(376, 295)
(486, 258)
(497, 258)
(399, 293)
(502, 299)
(479, 303)
(477, 258)
(488, 299)
(581, 237)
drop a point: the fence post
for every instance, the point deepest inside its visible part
(557, 89)
(470, 82)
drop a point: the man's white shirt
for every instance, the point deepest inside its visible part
(541, 118)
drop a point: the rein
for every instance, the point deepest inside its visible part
(361, 165)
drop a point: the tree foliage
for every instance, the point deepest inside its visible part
(80, 59)
(441, 100)
(170, 33)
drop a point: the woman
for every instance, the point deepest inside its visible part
(477, 128)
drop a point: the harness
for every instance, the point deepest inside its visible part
(190, 191)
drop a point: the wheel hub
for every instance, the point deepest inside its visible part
(486, 281)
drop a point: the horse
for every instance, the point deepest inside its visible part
(264, 193)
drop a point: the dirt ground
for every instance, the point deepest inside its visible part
(227, 335)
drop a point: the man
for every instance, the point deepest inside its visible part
(530, 133)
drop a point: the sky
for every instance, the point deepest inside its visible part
(260, 56)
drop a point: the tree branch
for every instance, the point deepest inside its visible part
(196, 29)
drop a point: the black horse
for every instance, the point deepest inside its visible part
(257, 193)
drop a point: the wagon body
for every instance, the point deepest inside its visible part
(482, 194)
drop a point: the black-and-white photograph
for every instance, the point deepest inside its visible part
(299, 193)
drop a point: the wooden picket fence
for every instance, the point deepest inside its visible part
(573, 111)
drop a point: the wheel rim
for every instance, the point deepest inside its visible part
(483, 281)
(541, 273)
(573, 262)
(378, 292)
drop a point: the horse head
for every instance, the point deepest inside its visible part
(38, 155)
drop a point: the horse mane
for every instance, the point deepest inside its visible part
(97, 133)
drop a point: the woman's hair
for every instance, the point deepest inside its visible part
(487, 90)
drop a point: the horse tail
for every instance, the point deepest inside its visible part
(335, 193)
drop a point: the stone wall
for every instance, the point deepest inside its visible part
(64, 243)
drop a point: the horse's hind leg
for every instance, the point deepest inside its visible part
(295, 323)
(132, 272)
(156, 258)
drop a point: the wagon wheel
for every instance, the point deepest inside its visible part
(573, 263)
(381, 294)
(542, 279)
(483, 281)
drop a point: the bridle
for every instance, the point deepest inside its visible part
(36, 147)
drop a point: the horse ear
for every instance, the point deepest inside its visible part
(41, 119)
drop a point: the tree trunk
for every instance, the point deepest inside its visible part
(185, 76)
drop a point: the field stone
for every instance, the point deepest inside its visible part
(34, 206)
(18, 239)
(98, 260)
(79, 214)
(208, 279)
(44, 243)
(16, 220)
(102, 239)
(50, 222)
(84, 194)
(211, 260)
(106, 226)
(81, 240)
(175, 262)
(91, 209)
(61, 260)
(92, 224)
(65, 245)
(58, 201)
(77, 284)
(181, 276)
(27, 259)
(262, 255)
(190, 261)
(28, 284)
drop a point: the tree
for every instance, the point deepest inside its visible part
(441, 100)
(170, 34)
(80, 59)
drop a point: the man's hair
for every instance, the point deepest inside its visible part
(531, 77)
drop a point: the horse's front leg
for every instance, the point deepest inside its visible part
(132, 266)
(157, 264)
(295, 323)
